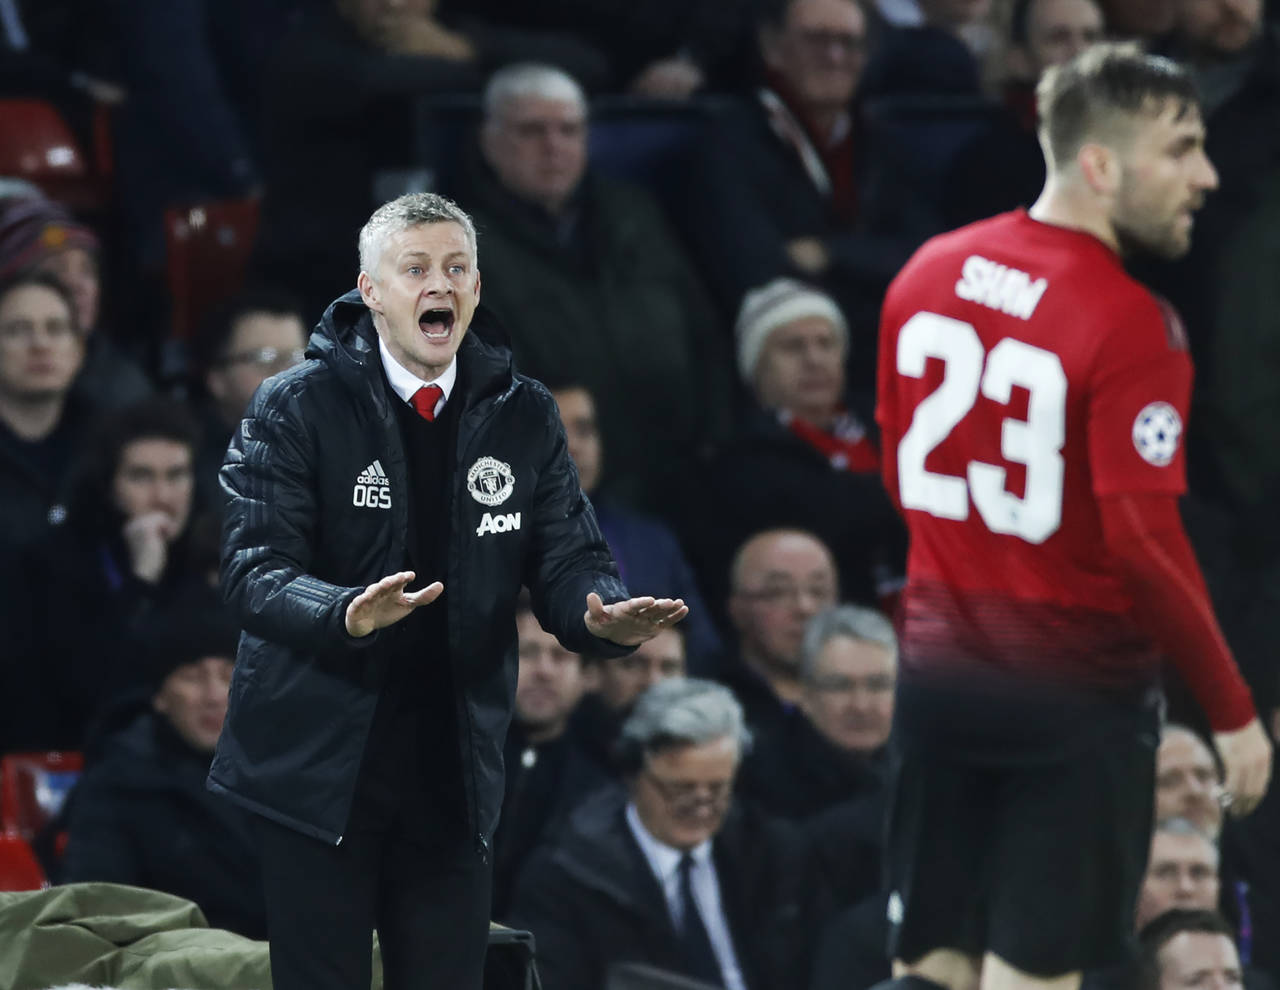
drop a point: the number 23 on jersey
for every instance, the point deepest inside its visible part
(1035, 442)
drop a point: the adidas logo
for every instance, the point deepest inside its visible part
(373, 488)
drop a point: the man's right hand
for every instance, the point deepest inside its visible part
(1246, 758)
(386, 602)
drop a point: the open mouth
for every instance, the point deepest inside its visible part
(436, 323)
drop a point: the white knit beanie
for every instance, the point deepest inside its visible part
(779, 302)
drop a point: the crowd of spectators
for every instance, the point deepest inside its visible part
(688, 213)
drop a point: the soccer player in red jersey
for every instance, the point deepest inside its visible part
(1032, 399)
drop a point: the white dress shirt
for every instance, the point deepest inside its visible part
(664, 860)
(405, 383)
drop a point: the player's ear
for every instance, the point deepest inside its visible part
(1100, 166)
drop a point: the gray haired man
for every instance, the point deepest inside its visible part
(366, 720)
(668, 874)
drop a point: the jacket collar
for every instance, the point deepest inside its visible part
(346, 341)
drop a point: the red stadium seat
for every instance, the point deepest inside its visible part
(32, 789)
(18, 867)
(207, 249)
(37, 145)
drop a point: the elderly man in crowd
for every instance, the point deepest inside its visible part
(590, 281)
(828, 749)
(807, 455)
(669, 874)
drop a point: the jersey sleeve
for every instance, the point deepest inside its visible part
(1139, 395)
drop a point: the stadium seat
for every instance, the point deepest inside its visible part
(207, 249)
(33, 787)
(18, 867)
(37, 145)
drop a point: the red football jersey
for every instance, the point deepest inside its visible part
(1023, 374)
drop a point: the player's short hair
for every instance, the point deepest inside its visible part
(1105, 85)
(404, 213)
(529, 79)
(1164, 928)
(855, 622)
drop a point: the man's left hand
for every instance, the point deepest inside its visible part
(634, 621)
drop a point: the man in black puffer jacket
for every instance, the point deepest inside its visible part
(366, 721)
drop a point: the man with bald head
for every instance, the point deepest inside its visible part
(779, 580)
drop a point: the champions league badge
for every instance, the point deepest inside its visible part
(1156, 432)
(490, 481)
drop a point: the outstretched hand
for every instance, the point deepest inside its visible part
(386, 602)
(634, 621)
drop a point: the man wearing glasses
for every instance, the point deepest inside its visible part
(779, 580)
(253, 336)
(671, 874)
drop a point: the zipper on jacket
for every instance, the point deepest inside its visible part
(482, 847)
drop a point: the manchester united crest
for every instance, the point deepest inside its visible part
(490, 481)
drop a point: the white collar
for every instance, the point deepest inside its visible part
(405, 383)
(663, 859)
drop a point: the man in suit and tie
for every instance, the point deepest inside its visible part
(668, 873)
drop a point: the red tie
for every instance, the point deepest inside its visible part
(424, 401)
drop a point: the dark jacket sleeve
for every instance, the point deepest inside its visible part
(269, 478)
(568, 555)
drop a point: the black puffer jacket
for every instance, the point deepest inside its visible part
(299, 545)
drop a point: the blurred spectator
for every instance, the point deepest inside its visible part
(829, 748)
(1182, 871)
(140, 814)
(590, 281)
(1003, 168)
(1226, 292)
(1186, 948)
(671, 874)
(1187, 782)
(124, 551)
(41, 421)
(1141, 20)
(788, 182)
(933, 58)
(619, 682)
(547, 774)
(648, 556)
(779, 580)
(39, 235)
(806, 456)
(252, 336)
